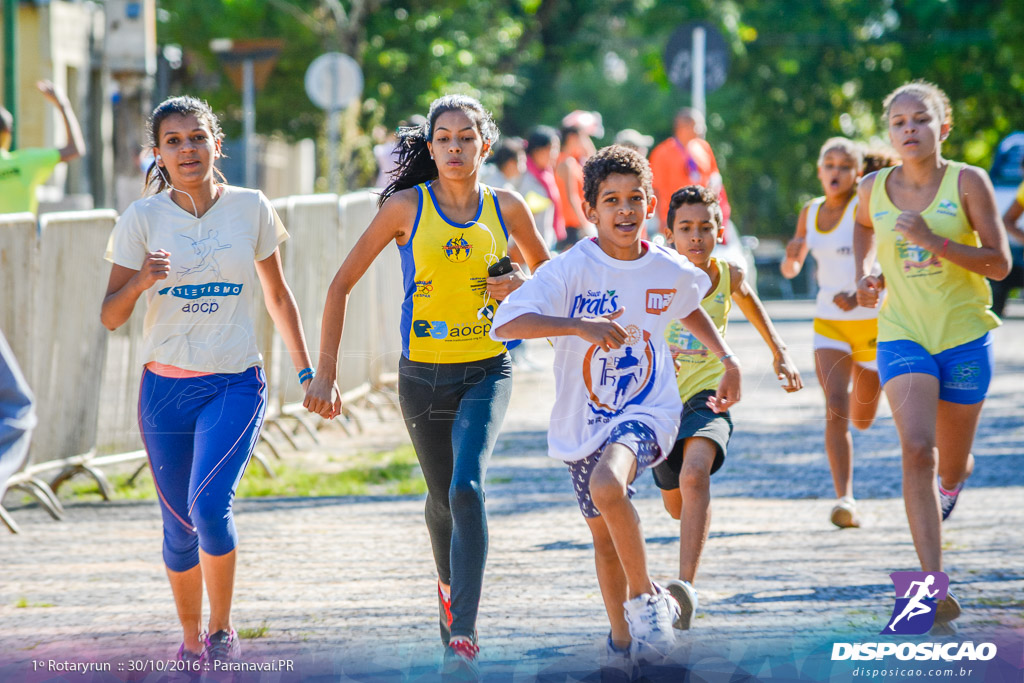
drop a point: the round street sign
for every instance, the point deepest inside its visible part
(679, 56)
(333, 81)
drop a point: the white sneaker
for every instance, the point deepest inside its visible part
(686, 595)
(844, 514)
(650, 620)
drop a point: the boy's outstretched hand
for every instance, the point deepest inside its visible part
(603, 331)
(785, 370)
(728, 393)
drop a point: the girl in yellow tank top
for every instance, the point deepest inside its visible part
(695, 218)
(454, 382)
(935, 227)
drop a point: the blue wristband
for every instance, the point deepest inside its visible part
(306, 373)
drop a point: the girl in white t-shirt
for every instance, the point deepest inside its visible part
(196, 249)
(845, 334)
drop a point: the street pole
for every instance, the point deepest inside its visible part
(697, 82)
(249, 121)
(11, 64)
(333, 126)
(334, 173)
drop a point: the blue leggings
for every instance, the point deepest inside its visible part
(199, 433)
(453, 412)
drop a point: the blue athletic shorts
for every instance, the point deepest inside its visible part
(964, 372)
(634, 435)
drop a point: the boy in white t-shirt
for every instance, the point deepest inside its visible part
(605, 304)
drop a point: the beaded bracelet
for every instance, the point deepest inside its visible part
(306, 373)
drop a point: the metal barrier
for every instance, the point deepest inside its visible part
(19, 264)
(86, 379)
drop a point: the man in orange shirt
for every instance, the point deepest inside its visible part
(686, 159)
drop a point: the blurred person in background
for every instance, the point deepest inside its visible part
(877, 157)
(23, 170)
(386, 153)
(684, 159)
(634, 139)
(577, 147)
(539, 186)
(1001, 288)
(506, 166)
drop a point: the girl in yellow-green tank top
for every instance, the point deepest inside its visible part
(454, 382)
(937, 234)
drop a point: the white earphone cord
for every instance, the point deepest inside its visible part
(167, 179)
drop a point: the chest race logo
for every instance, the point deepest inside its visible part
(917, 261)
(621, 377)
(457, 249)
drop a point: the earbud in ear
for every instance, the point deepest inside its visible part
(159, 158)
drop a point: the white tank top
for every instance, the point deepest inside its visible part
(833, 251)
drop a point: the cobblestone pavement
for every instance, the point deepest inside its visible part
(345, 586)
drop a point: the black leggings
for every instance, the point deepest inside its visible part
(453, 412)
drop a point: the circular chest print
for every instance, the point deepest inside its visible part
(620, 377)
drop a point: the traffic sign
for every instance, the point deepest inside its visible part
(334, 81)
(678, 56)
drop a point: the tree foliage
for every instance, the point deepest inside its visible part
(800, 72)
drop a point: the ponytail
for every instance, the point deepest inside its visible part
(414, 163)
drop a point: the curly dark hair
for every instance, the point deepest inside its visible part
(694, 194)
(615, 159)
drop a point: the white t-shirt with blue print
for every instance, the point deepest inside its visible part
(594, 389)
(201, 316)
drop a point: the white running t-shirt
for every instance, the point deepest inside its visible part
(201, 317)
(594, 389)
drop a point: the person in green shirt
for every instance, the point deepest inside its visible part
(23, 170)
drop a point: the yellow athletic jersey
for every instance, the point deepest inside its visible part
(444, 270)
(931, 301)
(697, 369)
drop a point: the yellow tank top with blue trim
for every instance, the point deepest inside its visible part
(930, 300)
(446, 313)
(697, 369)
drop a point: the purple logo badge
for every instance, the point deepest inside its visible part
(916, 595)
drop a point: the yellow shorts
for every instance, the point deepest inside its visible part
(856, 337)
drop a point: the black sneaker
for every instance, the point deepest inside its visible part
(222, 646)
(947, 500)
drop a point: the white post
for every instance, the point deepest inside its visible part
(333, 126)
(697, 82)
(334, 173)
(249, 121)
